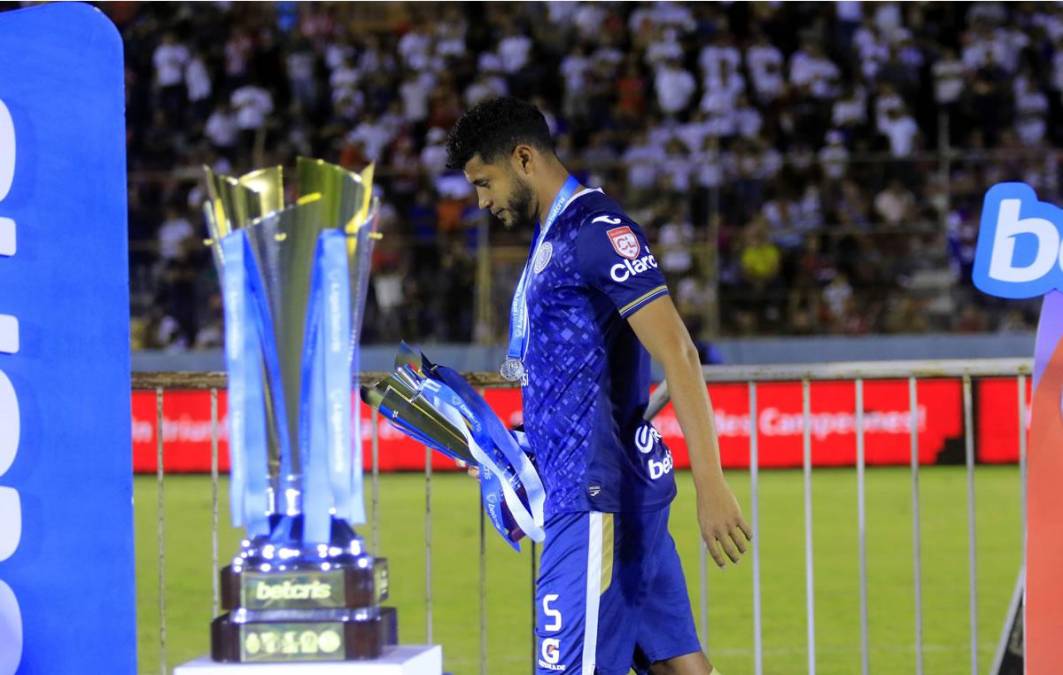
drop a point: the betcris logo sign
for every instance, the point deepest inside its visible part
(66, 533)
(1019, 251)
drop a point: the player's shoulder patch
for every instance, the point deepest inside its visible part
(624, 242)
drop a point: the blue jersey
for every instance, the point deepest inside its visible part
(588, 376)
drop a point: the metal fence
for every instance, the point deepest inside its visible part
(752, 376)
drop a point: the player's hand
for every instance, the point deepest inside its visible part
(723, 529)
(473, 471)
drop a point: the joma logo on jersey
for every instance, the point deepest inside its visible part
(621, 272)
(624, 241)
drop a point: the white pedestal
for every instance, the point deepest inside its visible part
(401, 660)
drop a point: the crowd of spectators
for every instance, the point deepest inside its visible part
(799, 167)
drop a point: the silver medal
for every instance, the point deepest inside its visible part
(512, 369)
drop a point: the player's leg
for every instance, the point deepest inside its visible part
(574, 597)
(688, 664)
(667, 639)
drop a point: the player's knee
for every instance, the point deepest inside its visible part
(687, 664)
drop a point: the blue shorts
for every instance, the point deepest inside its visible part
(611, 595)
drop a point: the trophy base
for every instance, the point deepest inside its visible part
(301, 636)
(343, 582)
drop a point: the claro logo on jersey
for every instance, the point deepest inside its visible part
(621, 272)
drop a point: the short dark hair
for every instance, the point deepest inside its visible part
(493, 128)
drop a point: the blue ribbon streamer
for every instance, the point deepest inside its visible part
(496, 477)
(262, 315)
(332, 473)
(506, 443)
(326, 394)
(358, 294)
(499, 483)
(336, 361)
(247, 424)
(316, 498)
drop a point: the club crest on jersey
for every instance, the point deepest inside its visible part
(542, 258)
(624, 242)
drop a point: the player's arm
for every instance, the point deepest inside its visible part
(614, 258)
(660, 330)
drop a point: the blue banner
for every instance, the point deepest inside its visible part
(66, 527)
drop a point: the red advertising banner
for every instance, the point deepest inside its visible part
(997, 413)
(939, 421)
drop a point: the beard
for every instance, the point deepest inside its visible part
(520, 207)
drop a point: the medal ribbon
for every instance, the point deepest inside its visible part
(519, 328)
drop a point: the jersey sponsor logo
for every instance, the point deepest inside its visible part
(542, 258)
(550, 654)
(661, 468)
(594, 490)
(624, 241)
(646, 437)
(621, 272)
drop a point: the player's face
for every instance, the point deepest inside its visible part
(502, 191)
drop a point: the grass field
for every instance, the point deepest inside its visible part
(455, 593)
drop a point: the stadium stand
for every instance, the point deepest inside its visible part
(804, 168)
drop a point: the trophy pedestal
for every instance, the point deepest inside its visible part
(302, 610)
(302, 636)
(399, 660)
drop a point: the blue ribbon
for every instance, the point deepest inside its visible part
(332, 473)
(499, 483)
(316, 498)
(358, 290)
(336, 362)
(518, 313)
(261, 314)
(247, 424)
(517, 467)
(326, 395)
(358, 295)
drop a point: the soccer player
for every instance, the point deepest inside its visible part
(592, 302)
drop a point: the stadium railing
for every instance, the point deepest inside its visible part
(856, 372)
